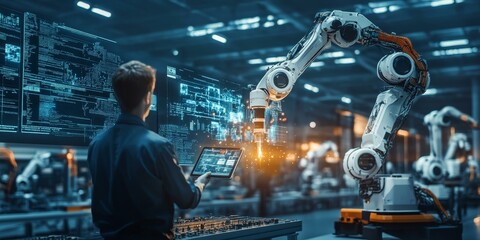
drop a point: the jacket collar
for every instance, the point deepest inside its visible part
(127, 118)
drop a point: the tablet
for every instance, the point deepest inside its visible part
(220, 161)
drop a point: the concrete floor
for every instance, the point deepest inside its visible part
(317, 225)
(320, 223)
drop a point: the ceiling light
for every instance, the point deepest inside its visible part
(393, 8)
(268, 24)
(346, 100)
(255, 25)
(198, 33)
(441, 3)
(255, 61)
(219, 38)
(248, 26)
(451, 43)
(214, 25)
(311, 88)
(456, 51)
(313, 124)
(83, 5)
(243, 27)
(247, 20)
(307, 86)
(336, 54)
(430, 91)
(281, 21)
(317, 64)
(102, 12)
(275, 59)
(175, 52)
(380, 10)
(270, 18)
(345, 61)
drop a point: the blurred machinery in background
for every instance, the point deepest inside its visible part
(312, 178)
(44, 192)
(48, 182)
(28, 179)
(446, 173)
(407, 75)
(459, 157)
(438, 165)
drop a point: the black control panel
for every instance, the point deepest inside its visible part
(235, 227)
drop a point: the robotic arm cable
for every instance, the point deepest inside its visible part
(428, 200)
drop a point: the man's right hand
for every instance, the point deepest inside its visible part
(203, 180)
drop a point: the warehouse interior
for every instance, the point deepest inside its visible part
(211, 58)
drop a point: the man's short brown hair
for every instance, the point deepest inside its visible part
(131, 82)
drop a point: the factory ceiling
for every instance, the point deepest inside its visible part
(260, 33)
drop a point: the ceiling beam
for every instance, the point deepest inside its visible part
(281, 11)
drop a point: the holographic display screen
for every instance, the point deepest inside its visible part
(67, 93)
(55, 82)
(196, 110)
(10, 70)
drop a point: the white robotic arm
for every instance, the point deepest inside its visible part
(433, 168)
(311, 162)
(457, 142)
(435, 120)
(342, 28)
(404, 70)
(39, 161)
(328, 149)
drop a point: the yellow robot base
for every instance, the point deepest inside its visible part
(371, 225)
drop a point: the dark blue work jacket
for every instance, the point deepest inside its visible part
(136, 181)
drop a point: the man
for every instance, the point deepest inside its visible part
(136, 179)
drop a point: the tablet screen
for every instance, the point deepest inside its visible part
(220, 161)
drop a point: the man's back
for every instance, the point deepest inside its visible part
(136, 181)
